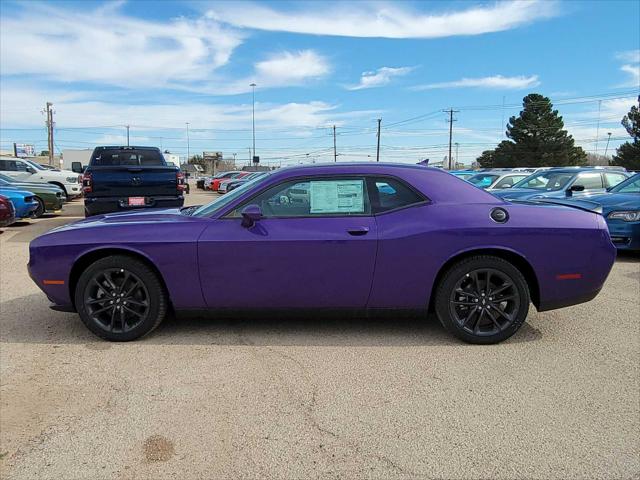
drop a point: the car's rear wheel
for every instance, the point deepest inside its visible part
(38, 212)
(119, 298)
(482, 299)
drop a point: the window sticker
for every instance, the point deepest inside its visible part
(338, 196)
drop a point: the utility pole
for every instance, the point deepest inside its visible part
(607, 147)
(335, 153)
(188, 146)
(378, 148)
(50, 131)
(253, 115)
(451, 111)
(127, 127)
(457, 146)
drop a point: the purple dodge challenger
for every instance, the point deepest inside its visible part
(360, 236)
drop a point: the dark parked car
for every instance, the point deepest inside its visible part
(429, 242)
(226, 187)
(50, 197)
(125, 178)
(7, 212)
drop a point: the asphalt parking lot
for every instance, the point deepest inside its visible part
(316, 397)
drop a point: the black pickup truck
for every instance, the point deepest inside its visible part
(124, 178)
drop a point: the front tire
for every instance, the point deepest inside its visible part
(38, 212)
(119, 298)
(482, 299)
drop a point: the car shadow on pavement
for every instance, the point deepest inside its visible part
(625, 256)
(39, 324)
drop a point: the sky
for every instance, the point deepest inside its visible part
(158, 66)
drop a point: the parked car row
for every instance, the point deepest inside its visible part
(27, 200)
(224, 182)
(612, 191)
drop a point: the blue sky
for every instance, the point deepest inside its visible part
(157, 65)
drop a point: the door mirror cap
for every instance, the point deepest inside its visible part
(76, 167)
(250, 215)
(31, 170)
(574, 188)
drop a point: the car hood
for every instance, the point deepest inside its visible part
(613, 201)
(39, 186)
(140, 217)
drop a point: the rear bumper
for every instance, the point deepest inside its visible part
(52, 205)
(100, 205)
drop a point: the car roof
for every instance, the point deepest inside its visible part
(125, 147)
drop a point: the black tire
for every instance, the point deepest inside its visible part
(38, 212)
(107, 282)
(482, 299)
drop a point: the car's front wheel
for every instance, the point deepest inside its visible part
(482, 299)
(38, 212)
(119, 298)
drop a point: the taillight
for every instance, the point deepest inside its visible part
(180, 182)
(87, 183)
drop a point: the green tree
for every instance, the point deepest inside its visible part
(196, 160)
(537, 139)
(628, 154)
(44, 153)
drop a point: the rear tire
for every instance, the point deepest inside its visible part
(120, 298)
(482, 299)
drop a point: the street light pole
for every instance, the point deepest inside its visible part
(253, 115)
(188, 150)
(607, 147)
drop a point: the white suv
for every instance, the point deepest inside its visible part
(26, 171)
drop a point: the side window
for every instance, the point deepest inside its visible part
(312, 197)
(589, 180)
(388, 194)
(614, 178)
(507, 182)
(4, 165)
(20, 166)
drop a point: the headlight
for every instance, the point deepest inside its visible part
(72, 179)
(625, 215)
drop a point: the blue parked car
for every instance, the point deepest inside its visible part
(621, 208)
(563, 182)
(24, 202)
(463, 174)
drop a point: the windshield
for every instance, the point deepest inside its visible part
(630, 185)
(35, 165)
(212, 207)
(547, 181)
(483, 179)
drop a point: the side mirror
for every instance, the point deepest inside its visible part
(250, 215)
(76, 167)
(573, 188)
(31, 170)
(507, 186)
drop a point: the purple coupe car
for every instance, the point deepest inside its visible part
(369, 237)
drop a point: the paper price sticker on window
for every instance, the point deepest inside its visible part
(337, 196)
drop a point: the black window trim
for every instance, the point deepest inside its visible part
(247, 201)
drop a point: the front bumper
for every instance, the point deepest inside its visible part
(624, 235)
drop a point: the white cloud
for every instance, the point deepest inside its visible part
(21, 107)
(629, 56)
(634, 72)
(105, 46)
(388, 20)
(382, 76)
(495, 81)
(288, 66)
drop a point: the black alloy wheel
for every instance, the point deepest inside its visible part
(120, 298)
(38, 212)
(482, 299)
